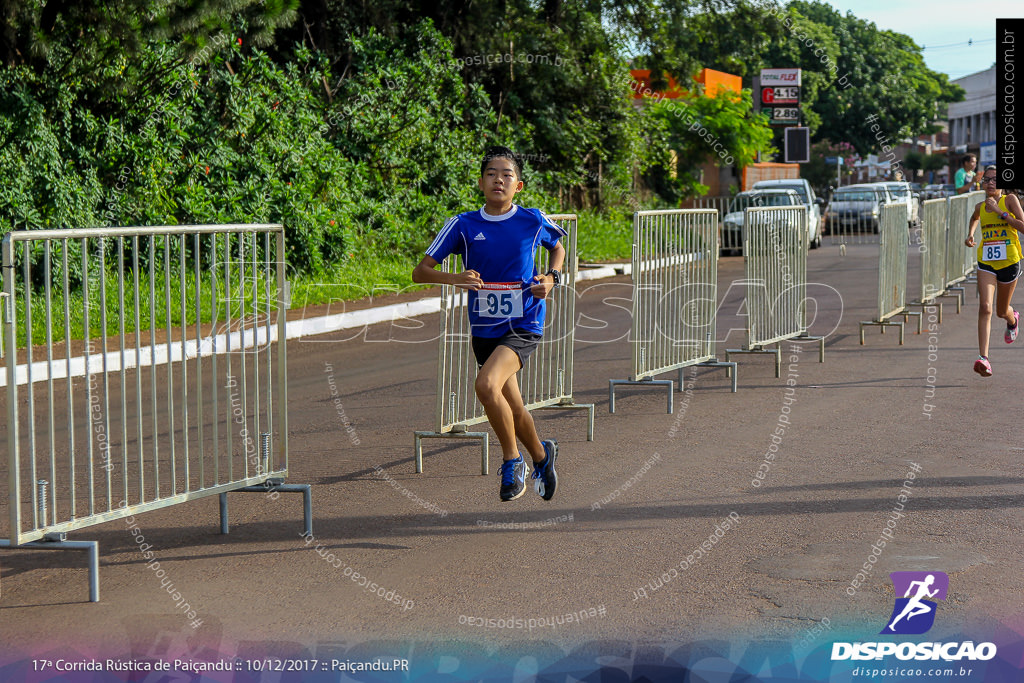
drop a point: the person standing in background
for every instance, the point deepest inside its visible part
(964, 179)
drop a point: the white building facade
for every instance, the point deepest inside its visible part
(972, 123)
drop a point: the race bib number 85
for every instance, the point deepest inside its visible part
(500, 300)
(993, 251)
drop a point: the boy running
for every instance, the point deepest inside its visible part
(506, 308)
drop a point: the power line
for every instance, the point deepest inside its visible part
(969, 43)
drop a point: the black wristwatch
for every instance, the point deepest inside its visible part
(555, 275)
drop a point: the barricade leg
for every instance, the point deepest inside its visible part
(882, 324)
(730, 370)
(484, 443)
(935, 303)
(272, 486)
(777, 351)
(646, 382)
(948, 296)
(821, 345)
(589, 407)
(915, 314)
(59, 542)
(959, 294)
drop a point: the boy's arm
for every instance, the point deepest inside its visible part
(545, 283)
(426, 273)
(557, 257)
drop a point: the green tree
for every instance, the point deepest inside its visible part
(682, 36)
(913, 161)
(880, 80)
(79, 79)
(820, 174)
(698, 128)
(100, 43)
(933, 162)
(854, 75)
(555, 75)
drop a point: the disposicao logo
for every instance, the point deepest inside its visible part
(914, 614)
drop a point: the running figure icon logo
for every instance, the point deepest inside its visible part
(914, 613)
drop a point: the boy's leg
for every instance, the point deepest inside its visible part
(543, 453)
(525, 429)
(502, 364)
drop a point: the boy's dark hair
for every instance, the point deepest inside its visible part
(966, 158)
(499, 152)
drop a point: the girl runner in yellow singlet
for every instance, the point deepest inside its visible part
(999, 262)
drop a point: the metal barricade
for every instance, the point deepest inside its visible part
(934, 217)
(164, 378)
(546, 378)
(775, 264)
(675, 297)
(892, 272)
(728, 240)
(958, 218)
(855, 225)
(970, 262)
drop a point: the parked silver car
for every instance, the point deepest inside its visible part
(938, 191)
(856, 208)
(904, 194)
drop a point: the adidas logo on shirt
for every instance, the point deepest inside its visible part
(479, 236)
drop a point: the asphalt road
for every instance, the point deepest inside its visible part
(856, 425)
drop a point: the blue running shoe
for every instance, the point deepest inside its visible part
(545, 479)
(513, 478)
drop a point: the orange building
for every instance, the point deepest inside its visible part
(712, 80)
(717, 178)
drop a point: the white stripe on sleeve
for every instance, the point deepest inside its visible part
(441, 236)
(551, 224)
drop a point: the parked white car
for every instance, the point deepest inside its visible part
(902, 193)
(807, 198)
(732, 222)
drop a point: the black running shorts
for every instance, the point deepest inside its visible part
(1004, 275)
(523, 343)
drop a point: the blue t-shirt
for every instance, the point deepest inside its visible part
(502, 249)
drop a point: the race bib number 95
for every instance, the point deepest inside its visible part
(500, 300)
(993, 251)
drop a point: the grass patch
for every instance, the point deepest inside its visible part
(197, 306)
(604, 237)
(364, 274)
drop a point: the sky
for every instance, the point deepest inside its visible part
(943, 27)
